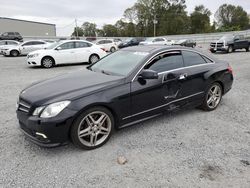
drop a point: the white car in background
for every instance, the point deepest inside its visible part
(66, 52)
(24, 48)
(170, 42)
(109, 45)
(7, 43)
(154, 40)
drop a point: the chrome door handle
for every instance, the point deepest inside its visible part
(183, 76)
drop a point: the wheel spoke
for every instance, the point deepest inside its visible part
(92, 121)
(210, 100)
(93, 139)
(101, 120)
(215, 90)
(104, 131)
(84, 132)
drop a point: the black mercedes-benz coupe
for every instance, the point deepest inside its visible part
(126, 87)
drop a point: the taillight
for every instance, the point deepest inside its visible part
(103, 49)
(230, 69)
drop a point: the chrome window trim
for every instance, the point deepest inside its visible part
(142, 112)
(169, 50)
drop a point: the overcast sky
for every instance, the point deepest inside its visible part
(63, 12)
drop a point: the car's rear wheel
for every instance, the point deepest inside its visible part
(230, 49)
(213, 97)
(93, 58)
(47, 62)
(14, 53)
(248, 48)
(92, 128)
(112, 49)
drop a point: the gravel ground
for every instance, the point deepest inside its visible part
(182, 149)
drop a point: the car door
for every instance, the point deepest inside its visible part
(82, 51)
(197, 66)
(149, 97)
(65, 53)
(26, 47)
(240, 43)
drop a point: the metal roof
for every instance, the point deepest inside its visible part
(27, 21)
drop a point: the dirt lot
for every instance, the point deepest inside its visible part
(182, 149)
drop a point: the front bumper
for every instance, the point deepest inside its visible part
(221, 49)
(48, 132)
(5, 52)
(35, 61)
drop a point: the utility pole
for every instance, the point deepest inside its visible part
(76, 28)
(155, 22)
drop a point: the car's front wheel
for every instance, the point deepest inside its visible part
(112, 49)
(92, 128)
(213, 97)
(230, 49)
(14, 53)
(47, 62)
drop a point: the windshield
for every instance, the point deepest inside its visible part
(120, 63)
(180, 41)
(227, 37)
(53, 45)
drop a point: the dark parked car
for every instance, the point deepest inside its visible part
(186, 42)
(130, 42)
(126, 87)
(230, 43)
(11, 36)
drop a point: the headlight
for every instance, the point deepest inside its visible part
(33, 55)
(51, 110)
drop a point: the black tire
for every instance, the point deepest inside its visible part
(213, 51)
(47, 62)
(93, 58)
(248, 48)
(205, 105)
(81, 124)
(230, 49)
(14, 53)
(112, 49)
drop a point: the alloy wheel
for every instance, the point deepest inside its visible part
(214, 96)
(94, 129)
(47, 63)
(94, 59)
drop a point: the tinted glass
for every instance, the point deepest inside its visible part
(166, 62)
(207, 60)
(119, 63)
(68, 45)
(192, 58)
(82, 45)
(11, 33)
(108, 41)
(3, 42)
(27, 44)
(159, 39)
(37, 43)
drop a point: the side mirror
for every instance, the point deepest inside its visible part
(149, 74)
(59, 48)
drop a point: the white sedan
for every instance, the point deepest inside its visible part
(66, 52)
(6, 44)
(24, 48)
(109, 45)
(157, 40)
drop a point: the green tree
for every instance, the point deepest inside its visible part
(200, 20)
(78, 31)
(89, 29)
(230, 17)
(110, 30)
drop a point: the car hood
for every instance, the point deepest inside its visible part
(69, 87)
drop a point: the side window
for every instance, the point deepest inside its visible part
(11, 33)
(16, 33)
(108, 41)
(11, 43)
(82, 44)
(101, 42)
(207, 60)
(68, 45)
(5, 34)
(159, 39)
(37, 43)
(27, 44)
(192, 58)
(166, 62)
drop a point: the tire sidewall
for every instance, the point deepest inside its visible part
(74, 129)
(14, 51)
